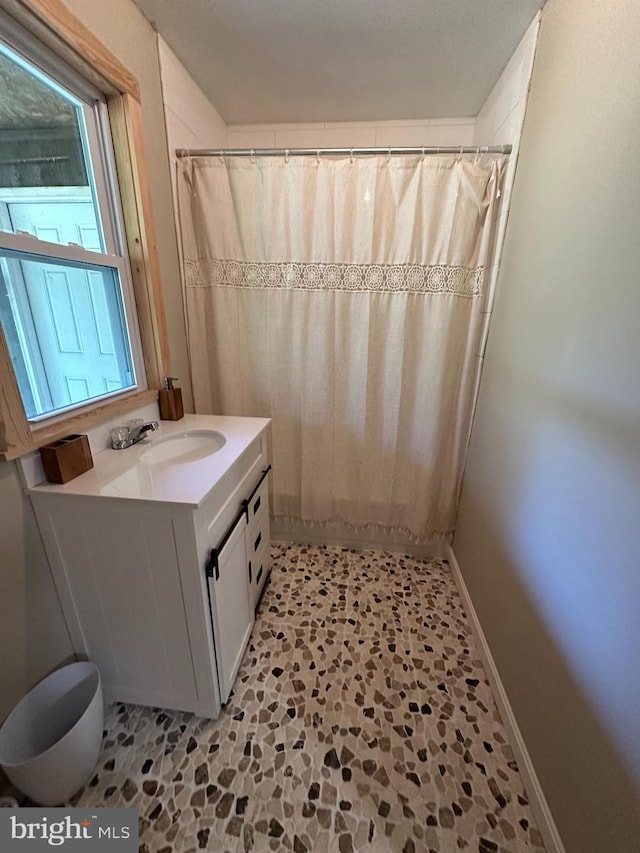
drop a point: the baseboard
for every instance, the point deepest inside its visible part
(539, 805)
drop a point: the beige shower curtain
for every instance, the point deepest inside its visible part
(342, 297)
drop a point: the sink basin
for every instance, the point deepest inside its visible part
(181, 447)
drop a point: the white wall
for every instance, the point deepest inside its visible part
(356, 134)
(547, 536)
(33, 634)
(500, 122)
(191, 121)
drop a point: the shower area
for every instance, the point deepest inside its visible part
(346, 294)
(342, 294)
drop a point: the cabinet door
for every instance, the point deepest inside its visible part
(231, 609)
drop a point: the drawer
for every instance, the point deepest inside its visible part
(258, 533)
(216, 514)
(259, 501)
(260, 567)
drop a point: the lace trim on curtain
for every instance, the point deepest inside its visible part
(412, 278)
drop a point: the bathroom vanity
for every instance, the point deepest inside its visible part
(159, 555)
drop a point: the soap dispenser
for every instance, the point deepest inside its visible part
(170, 400)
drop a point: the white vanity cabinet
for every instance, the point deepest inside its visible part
(161, 594)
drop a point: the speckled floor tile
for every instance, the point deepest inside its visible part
(361, 720)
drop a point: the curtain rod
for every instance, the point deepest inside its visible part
(316, 152)
(28, 160)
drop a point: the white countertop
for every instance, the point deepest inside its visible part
(121, 474)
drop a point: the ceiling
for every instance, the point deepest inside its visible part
(266, 61)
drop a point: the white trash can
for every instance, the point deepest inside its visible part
(50, 743)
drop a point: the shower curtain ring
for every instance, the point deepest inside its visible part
(252, 156)
(286, 155)
(318, 156)
(220, 157)
(351, 156)
(389, 154)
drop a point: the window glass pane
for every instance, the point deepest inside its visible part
(66, 331)
(46, 183)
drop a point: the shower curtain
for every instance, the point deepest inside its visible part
(342, 297)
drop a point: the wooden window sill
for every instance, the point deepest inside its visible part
(79, 422)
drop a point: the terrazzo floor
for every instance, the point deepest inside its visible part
(361, 720)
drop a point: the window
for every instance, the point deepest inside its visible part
(66, 297)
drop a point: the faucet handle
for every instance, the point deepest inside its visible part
(120, 437)
(168, 382)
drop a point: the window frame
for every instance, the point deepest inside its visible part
(61, 33)
(26, 248)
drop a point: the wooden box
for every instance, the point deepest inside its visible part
(65, 459)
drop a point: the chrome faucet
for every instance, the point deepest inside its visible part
(123, 437)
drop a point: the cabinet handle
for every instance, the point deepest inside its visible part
(256, 506)
(259, 575)
(212, 568)
(257, 542)
(249, 571)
